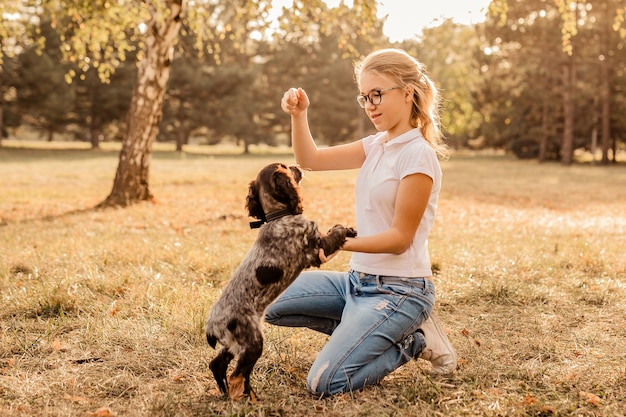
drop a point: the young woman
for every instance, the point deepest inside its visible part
(378, 314)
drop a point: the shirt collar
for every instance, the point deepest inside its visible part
(408, 136)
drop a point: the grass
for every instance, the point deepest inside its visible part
(103, 311)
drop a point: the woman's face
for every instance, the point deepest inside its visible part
(393, 113)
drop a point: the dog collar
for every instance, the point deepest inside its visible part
(270, 217)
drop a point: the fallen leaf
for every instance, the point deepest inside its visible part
(102, 412)
(58, 346)
(76, 398)
(592, 399)
(530, 399)
(235, 387)
(114, 309)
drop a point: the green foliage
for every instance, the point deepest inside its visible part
(95, 33)
(16, 24)
(524, 92)
(99, 106)
(501, 81)
(450, 53)
(357, 28)
(44, 99)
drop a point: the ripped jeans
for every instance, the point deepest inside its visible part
(368, 318)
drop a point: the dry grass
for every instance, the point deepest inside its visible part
(103, 311)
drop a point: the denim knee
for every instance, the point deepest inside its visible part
(321, 382)
(271, 316)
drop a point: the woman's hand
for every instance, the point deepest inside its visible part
(294, 101)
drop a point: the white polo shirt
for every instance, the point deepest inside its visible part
(375, 195)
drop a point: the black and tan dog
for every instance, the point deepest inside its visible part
(287, 243)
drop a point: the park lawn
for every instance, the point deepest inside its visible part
(103, 310)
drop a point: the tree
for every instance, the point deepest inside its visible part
(315, 48)
(449, 53)
(9, 112)
(95, 35)
(577, 21)
(44, 100)
(607, 38)
(15, 28)
(98, 105)
(100, 34)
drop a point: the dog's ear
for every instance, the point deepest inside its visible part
(253, 203)
(297, 173)
(286, 190)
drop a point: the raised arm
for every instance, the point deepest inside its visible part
(349, 156)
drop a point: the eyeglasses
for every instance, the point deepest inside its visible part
(375, 97)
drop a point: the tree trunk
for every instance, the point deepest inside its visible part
(180, 139)
(606, 113)
(605, 93)
(95, 123)
(543, 140)
(95, 137)
(569, 78)
(569, 85)
(131, 179)
(1, 105)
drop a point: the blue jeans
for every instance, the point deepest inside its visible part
(369, 319)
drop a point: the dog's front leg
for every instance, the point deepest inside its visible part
(335, 238)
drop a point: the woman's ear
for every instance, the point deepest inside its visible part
(408, 94)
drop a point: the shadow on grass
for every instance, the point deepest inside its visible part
(51, 217)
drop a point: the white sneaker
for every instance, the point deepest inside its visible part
(438, 350)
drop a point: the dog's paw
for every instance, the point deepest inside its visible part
(341, 229)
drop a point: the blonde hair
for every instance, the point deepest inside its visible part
(399, 66)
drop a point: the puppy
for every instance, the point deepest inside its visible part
(287, 243)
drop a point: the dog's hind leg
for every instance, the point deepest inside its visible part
(240, 378)
(219, 367)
